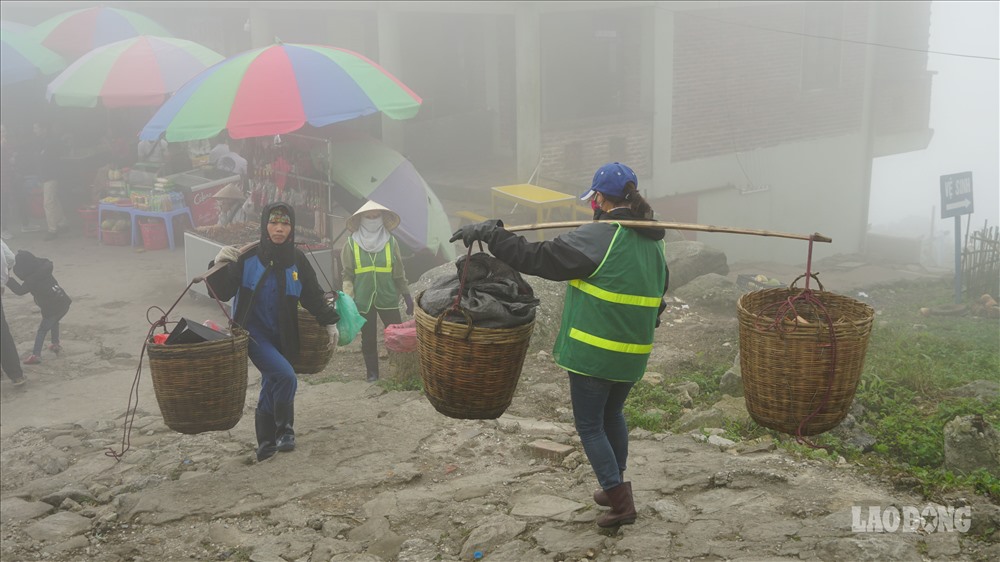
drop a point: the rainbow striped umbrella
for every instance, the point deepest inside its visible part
(278, 89)
(74, 33)
(22, 58)
(141, 71)
(7, 25)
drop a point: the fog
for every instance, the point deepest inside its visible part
(965, 116)
(463, 60)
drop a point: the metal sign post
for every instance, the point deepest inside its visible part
(956, 200)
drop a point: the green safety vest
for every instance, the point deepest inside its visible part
(608, 318)
(373, 282)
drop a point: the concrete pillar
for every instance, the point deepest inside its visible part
(661, 69)
(390, 57)
(867, 126)
(491, 66)
(261, 34)
(528, 75)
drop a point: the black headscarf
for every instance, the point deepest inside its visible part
(27, 264)
(282, 255)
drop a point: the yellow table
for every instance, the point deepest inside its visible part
(542, 199)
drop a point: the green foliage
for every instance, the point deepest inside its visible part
(413, 383)
(655, 408)
(912, 363)
(645, 398)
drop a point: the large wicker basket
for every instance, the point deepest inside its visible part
(201, 386)
(468, 372)
(787, 368)
(315, 349)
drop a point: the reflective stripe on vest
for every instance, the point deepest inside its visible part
(610, 345)
(620, 298)
(358, 268)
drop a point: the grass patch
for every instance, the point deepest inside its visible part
(912, 366)
(657, 409)
(412, 383)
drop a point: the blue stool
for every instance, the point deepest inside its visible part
(167, 216)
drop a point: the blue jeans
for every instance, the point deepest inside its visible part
(47, 325)
(598, 406)
(278, 377)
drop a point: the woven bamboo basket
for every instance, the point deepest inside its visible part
(315, 349)
(200, 386)
(786, 371)
(468, 372)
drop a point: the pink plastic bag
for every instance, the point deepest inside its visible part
(401, 338)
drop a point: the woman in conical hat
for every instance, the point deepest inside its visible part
(233, 205)
(373, 275)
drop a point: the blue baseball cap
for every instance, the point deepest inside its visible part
(610, 179)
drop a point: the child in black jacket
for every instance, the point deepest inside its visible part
(36, 278)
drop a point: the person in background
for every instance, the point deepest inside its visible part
(7, 195)
(221, 147)
(617, 278)
(233, 205)
(36, 278)
(374, 276)
(154, 152)
(47, 152)
(120, 153)
(269, 282)
(177, 160)
(10, 360)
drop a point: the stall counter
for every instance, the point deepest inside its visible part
(203, 183)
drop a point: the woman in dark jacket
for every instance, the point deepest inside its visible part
(617, 277)
(269, 283)
(36, 278)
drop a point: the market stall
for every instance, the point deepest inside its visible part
(199, 186)
(276, 172)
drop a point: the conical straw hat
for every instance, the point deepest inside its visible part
(389, 218)
(229, 192)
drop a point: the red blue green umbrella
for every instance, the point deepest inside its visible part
(75, 33)
(278, 89)
(369, 169)
(141, 71)
(7, 25)
(22, 58)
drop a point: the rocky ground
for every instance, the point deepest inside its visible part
(379, 475)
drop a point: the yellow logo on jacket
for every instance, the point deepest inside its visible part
(295, 276)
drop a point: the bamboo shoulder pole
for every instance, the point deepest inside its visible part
(673, 226)
(219, 266)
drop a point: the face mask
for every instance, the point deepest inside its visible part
(371, 225)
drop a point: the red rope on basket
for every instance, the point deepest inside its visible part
(134, 391)
(787, 308)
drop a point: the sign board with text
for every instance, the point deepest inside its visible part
(956, 195)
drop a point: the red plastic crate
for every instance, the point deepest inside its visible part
(116, 237)
(89, 218)
(154, 235)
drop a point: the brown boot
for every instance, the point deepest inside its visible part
(622, 507)
(601, 498)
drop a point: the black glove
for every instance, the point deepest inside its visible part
(479, 231)
(663, 306)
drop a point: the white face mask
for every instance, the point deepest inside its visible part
(371, 225)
